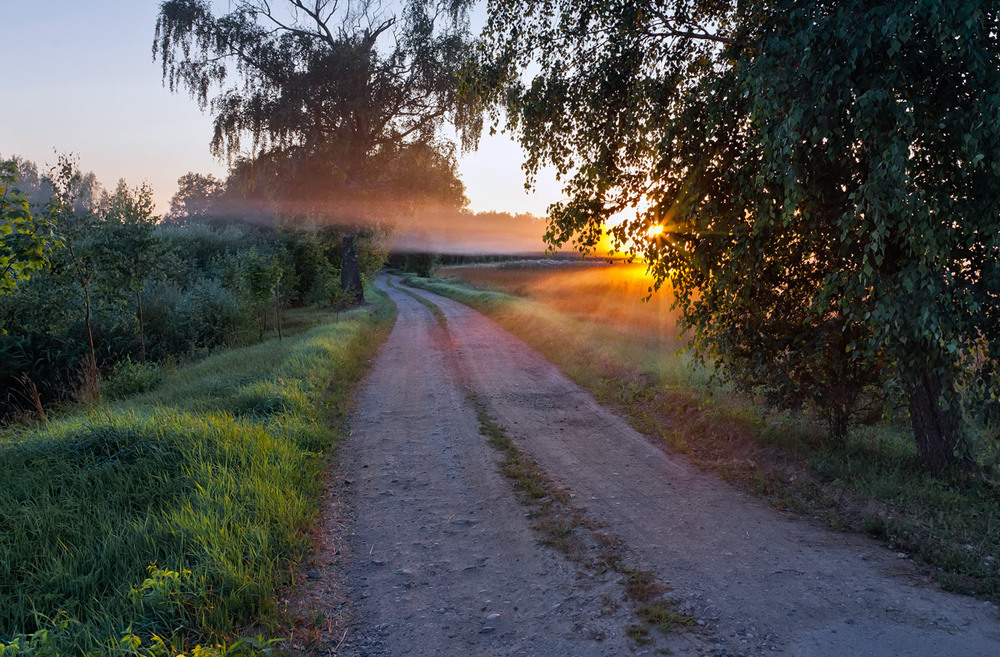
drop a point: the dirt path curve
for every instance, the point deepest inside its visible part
(444, 562)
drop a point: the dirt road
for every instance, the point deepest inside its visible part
(444, 562)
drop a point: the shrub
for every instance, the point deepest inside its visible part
(130, 378)
(211, 315)
(164, 334)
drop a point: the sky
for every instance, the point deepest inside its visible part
(78, 77)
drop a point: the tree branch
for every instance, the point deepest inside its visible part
(692, 35)
(691, 31)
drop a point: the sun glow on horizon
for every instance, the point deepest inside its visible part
(632, 246)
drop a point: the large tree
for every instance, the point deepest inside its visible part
(818, 181)
(326, 94)
(197, 195)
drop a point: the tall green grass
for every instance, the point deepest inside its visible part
(872, 482)
(169, 520)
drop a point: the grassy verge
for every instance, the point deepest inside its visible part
(870, 483)
(593, 549)
(164, 524)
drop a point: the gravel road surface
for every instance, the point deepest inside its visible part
(443, 560)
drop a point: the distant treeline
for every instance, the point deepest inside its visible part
(124, 287)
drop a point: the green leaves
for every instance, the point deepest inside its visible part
(834, 226)
(25, 240)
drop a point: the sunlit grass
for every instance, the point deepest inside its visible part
(611, 294)
(601, 309)
(175, 514)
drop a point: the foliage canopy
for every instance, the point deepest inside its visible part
(826, 177)
(324, 102)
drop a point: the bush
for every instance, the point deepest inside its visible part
(164, 335)
(421, 264)
(130, 378)
(211, 315)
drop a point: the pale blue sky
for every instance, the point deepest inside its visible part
(78, 77)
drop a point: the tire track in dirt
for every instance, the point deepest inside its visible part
(761, 582)
(443, 561)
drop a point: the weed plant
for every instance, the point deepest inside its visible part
(871, 482)
(165, 523)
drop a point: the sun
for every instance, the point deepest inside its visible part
(654, 231)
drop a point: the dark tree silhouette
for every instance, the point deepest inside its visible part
(323, 100)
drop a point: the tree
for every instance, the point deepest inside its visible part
(818, 182)
(197, 196)
(69, 211)
(329, 96)
(267, 278)
(25, 240)
(32, 184)
(131, 250)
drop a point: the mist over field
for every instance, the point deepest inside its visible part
(402, 225)
(615, 296)
(480, 233)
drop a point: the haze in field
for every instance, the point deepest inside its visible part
(441, 231)
(609, 296)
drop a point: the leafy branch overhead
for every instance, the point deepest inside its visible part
(816, 180)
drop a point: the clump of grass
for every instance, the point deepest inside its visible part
(872, 482)
(166, 523)
(271, 398)
(639, 634)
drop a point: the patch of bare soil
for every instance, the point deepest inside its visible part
(443, 560)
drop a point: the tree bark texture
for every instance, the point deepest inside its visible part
(936, 428)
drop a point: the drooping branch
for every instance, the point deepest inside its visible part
(339, 85)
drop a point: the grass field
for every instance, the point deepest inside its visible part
(615, 295)
(595, 305)
(627, 356)
(165, 523)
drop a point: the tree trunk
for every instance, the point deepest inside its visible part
(90, 392)
(142, 327)
(350, 271)
(277, 308)
(86, 322)
(936, 429)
